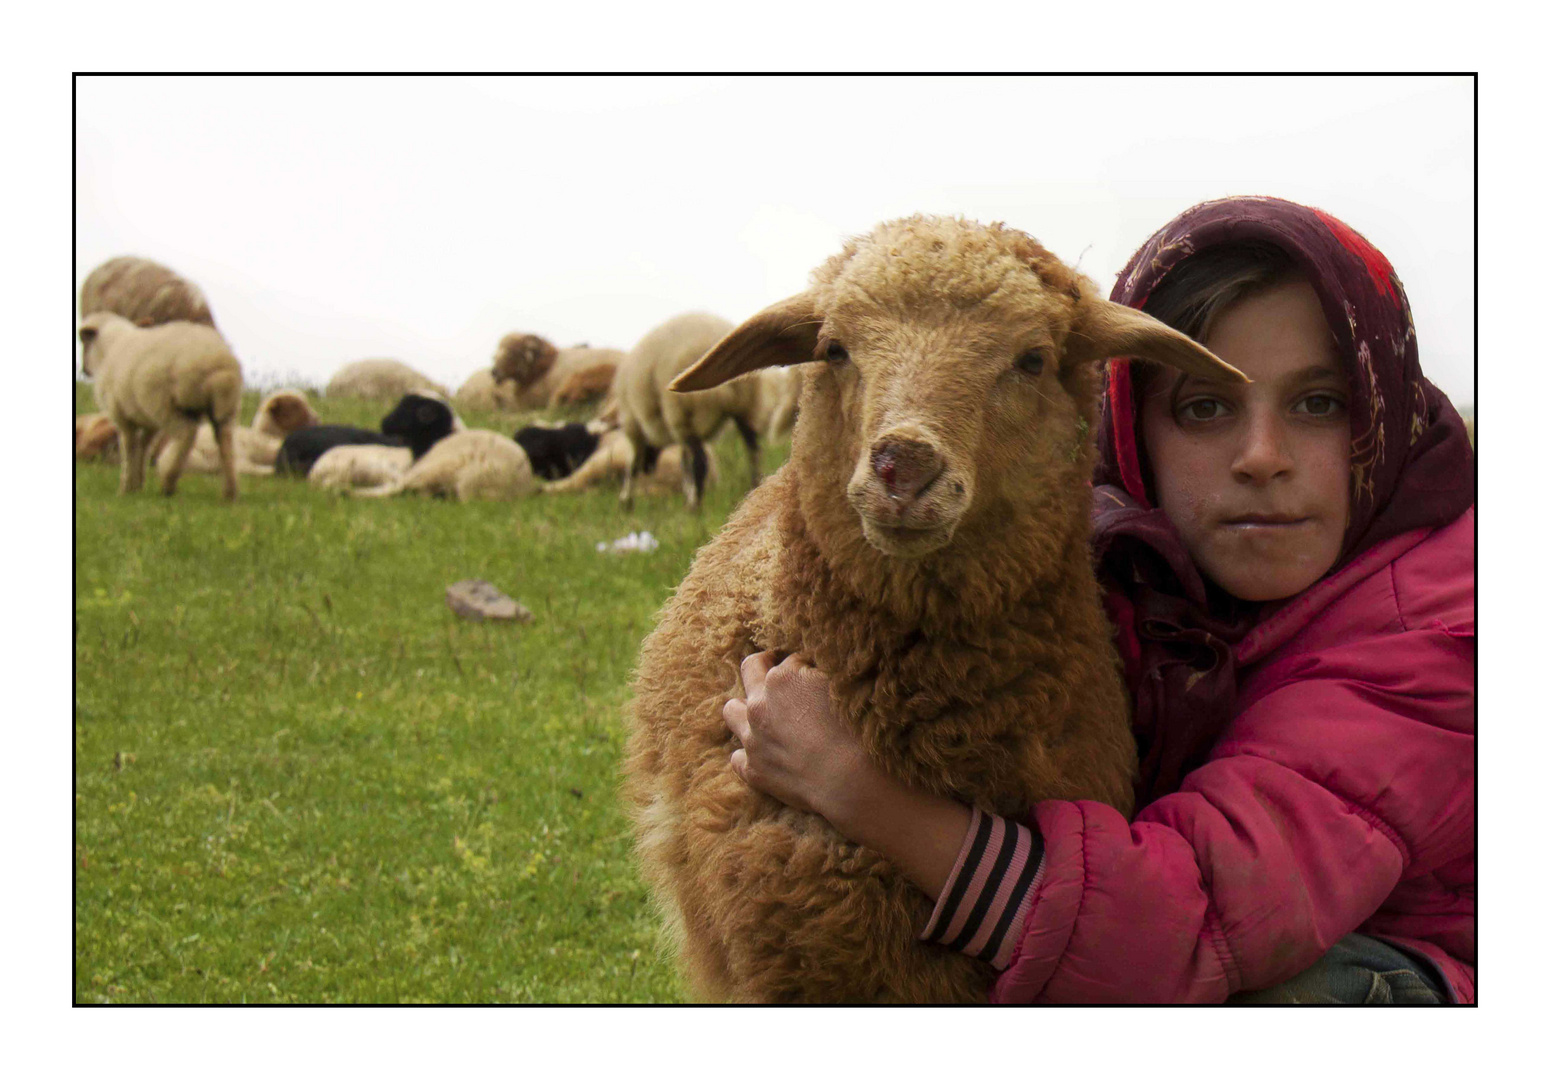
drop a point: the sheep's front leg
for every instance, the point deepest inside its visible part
(637, 465)
(132, 473)
(224, 439)
(182, 441)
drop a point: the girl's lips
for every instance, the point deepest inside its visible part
(1244, 524)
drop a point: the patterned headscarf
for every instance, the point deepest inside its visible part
(1412, 466)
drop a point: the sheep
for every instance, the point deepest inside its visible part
(556, 452)
(926, 547)
(481, 392)
(383, 380)
(350, 466)
(466, 465)
(649, 416)
(662, 470)
(583, 385)
(144, 292)
(165, 377)
(523, 361)
(576, 371)
(417, 421)
(96, 437)
(279, 414)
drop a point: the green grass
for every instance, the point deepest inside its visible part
(300, 778)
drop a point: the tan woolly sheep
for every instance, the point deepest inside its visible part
(566, 373)
(467, 465)
(385, 380)
(481, 392)
(353, 466)
(96, 437)
(163, 378)
(523, 360)
(762, 402)
(279, 414)
(926, 547)
(144, 292)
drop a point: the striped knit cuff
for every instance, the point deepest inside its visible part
(987, 896)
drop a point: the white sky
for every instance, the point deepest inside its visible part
(330, 220)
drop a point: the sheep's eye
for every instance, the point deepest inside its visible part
(1031, 361)
(836, 353)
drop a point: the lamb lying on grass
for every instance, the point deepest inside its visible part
(163, 378)
(466, 465)
(926, 546)
(256, 447)
(381, 380)
(662, 471)
(417, 423)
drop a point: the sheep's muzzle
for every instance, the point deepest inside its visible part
(909, 498)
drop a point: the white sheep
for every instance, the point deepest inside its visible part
(481, 392)
(144, 292)
(163, 378)
(385, 380)
(926, 547)
(471, 464)
(279, 414)
(763, 402)
(360, 466)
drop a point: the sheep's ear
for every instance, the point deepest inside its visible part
(1104, 329)
(781, 334)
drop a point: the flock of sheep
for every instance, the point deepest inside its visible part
(169, 389)
(926, 547)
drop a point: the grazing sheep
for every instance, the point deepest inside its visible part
(144, 292)
(556, 452)
(381, 380)
(279, 414)
(926, 547)
(481, 392)
(96, 437)
(416, 422)
(163, 378)
(650, 416)
(466, 465)
(662, 471)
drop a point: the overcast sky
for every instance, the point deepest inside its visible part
(330, 220)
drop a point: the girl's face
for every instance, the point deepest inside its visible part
(1254, 476)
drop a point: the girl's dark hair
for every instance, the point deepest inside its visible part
(1204, 285)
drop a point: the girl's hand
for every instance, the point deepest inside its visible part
(795, 747)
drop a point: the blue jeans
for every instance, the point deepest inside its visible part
(1359, 970)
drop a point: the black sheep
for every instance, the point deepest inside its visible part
(555, 453)
(417, 422)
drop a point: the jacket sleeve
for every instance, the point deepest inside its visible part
(1351, 770)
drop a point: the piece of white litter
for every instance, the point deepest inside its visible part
(636, 541)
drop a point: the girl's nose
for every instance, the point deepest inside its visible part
(1263, 455)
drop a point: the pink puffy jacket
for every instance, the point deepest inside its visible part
(1340, 798)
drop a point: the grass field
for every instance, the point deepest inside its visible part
(300, 778)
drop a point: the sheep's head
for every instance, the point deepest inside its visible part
(283, 412)
(954, 380)
(90, 333)
(421, 419)
(523, 359)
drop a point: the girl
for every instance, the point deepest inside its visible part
(1289, 566)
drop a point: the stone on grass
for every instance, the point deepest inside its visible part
(479, 601)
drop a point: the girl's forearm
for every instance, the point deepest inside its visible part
(919, 832)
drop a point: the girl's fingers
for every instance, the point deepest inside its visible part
(740, 764)
(735, 715)
(754, 669)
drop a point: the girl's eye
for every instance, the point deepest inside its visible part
(836, 353)
(1320, 405)
(1031, 362)
(1201, 409)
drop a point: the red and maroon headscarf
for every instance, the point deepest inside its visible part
(1412, 467)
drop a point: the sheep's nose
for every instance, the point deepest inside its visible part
(906, 468)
